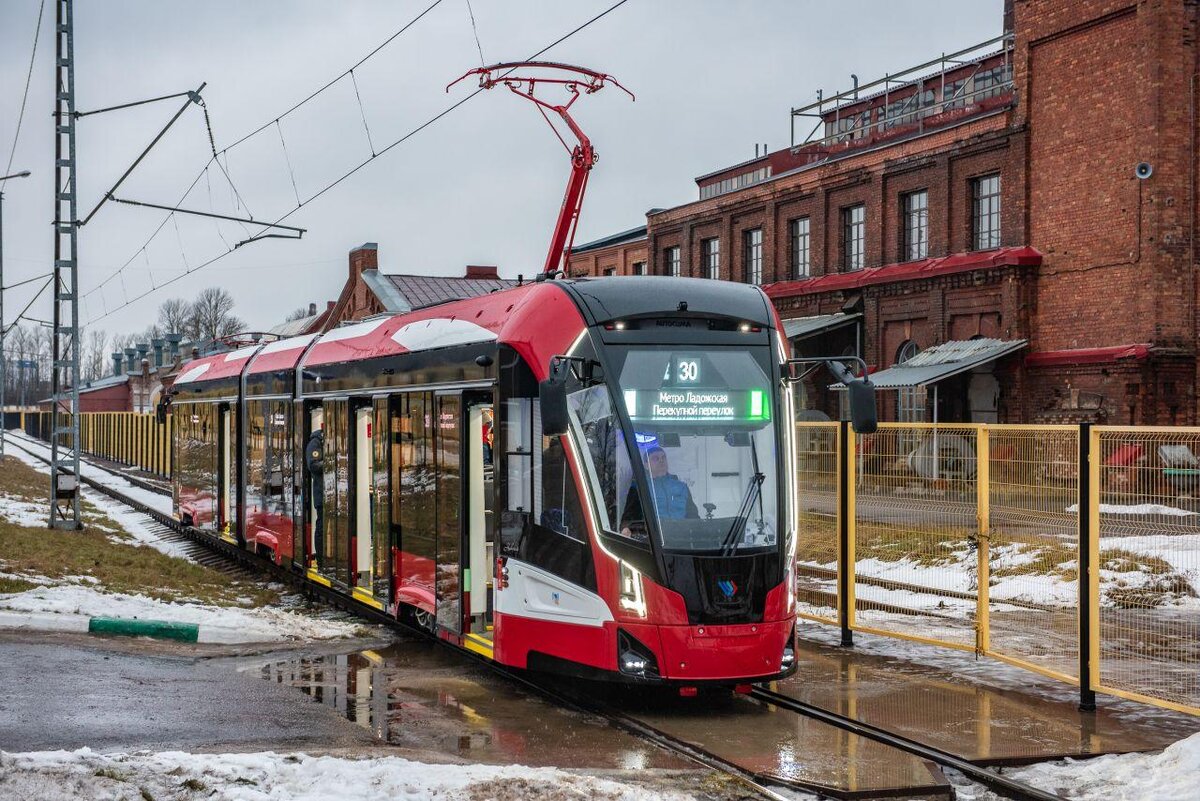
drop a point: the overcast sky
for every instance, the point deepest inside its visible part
(481, 186)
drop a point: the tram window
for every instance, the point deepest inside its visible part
(560, 508)
(516, 437)
(255, 453)
(608, 463)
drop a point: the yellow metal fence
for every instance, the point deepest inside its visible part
(970, 536)
(132, 439)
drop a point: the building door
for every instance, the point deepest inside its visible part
(983, 396)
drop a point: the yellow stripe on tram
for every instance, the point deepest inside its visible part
(317, 577)
(480, 645)
(365, 597)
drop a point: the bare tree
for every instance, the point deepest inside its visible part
(95, 359)
(212, 315)
(297, 314)
(174, 315)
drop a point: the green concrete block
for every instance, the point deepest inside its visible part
(159, 629)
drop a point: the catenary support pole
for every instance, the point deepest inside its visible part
(64, 367)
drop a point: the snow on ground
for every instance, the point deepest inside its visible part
(156, 501)
(269, 622)
(86, 776)
(1137, 509)
(1171, 775)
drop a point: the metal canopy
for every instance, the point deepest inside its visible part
(942, 361)
(804, 327)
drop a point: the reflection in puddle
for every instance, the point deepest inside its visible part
(419, 696)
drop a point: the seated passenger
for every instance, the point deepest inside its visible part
(672, 498)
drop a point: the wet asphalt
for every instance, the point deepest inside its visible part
(67, 692)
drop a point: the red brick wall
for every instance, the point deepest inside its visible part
(619, 258)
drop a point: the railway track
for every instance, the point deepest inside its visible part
(226, 556)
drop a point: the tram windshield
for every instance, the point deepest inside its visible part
(702, 423)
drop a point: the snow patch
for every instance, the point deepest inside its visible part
(269, 622)
(87, 776)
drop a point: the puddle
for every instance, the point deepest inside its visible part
(420, 696)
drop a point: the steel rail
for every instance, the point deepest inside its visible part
(341, 601)
(1003, 785)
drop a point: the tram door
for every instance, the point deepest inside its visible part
(225, 485)
(448, 578)
(315, 516)
(370, 502)
(334, 556)
(478, 479)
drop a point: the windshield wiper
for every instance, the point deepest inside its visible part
(728, 545)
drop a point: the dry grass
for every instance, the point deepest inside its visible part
(106, 555)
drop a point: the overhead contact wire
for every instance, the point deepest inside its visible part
(452, 107)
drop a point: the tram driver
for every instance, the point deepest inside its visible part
(672, 496)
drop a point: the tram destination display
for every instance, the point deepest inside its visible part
(697, 405)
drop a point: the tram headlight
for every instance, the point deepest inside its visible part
(634, 658)
(631, 596)
(789, 651)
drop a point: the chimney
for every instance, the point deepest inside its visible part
(1008, 16)
(364, 257)
(131, 360)
(195, 352)
(312, 310)
(143, 349)
(173, 347)
(484, 271)
(118, 362)
(158, 345)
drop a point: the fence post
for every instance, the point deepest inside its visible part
(1087, 695)
(845, 521)
(983, 515)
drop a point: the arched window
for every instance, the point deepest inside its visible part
(910, 401)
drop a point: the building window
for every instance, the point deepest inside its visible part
(954, 94)
(801, 250)
(639, 268)
(916, 225)
(711, 248)
(671, 261)
(910, 401)
(854, 224)
(610, 271)
(985, 216)
(754, 256)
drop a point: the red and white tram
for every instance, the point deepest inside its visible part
(582, 476)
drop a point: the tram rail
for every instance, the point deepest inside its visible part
(764, 786)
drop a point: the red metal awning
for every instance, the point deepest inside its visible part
(907, 271)
(1106, 355)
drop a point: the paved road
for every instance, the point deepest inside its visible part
(66, 692)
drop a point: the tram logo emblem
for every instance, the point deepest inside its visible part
(727, 588)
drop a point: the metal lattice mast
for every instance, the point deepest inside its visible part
(64, 427)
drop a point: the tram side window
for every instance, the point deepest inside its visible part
(255, 450)
(277, 459)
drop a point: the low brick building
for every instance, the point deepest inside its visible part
(368, 291)
(1039, 190)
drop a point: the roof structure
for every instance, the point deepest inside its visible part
(943, 361)
(802, 327)
(402, 293)
(909, 270)
(632, 235)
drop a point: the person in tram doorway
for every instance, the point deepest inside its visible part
(672, 498)
(314, 459)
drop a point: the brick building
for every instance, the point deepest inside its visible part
(369, 291)
(991, 196)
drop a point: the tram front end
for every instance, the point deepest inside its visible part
(678, 412)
